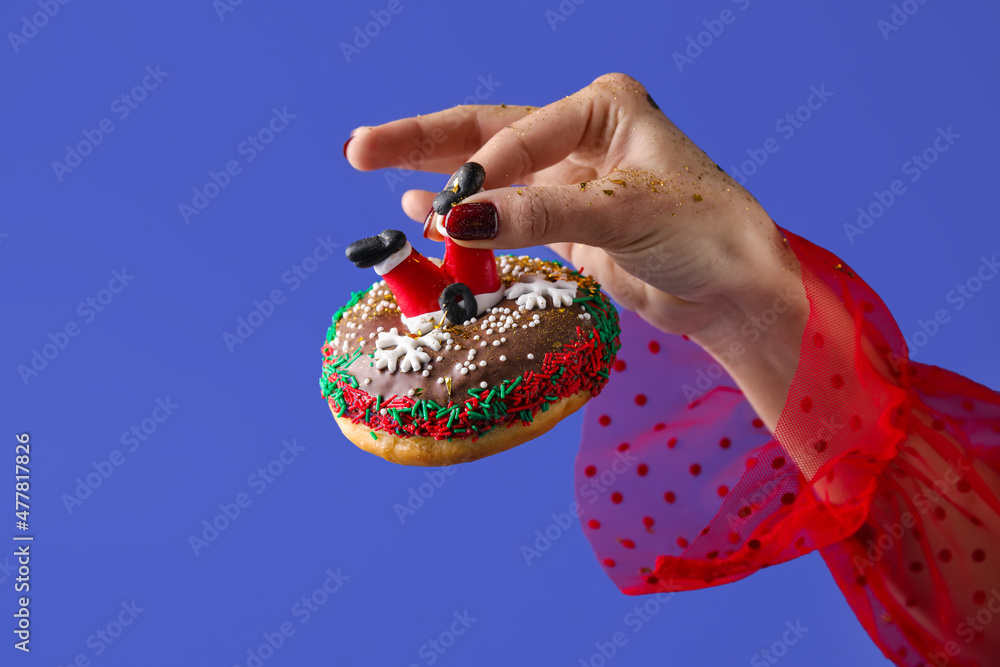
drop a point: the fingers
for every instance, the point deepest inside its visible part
(586, 118)
(416, 203)
(611, 213)
(443, 140)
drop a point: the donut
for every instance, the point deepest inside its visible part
(479, 370)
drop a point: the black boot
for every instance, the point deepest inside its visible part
(464, 183)
(368, 252)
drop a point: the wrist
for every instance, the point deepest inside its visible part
(758, 331)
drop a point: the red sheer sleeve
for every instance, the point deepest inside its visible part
(889, 467)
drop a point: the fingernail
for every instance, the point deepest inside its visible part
(472, 222)
(427, 222)
(349, 141)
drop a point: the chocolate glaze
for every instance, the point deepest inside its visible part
(555, 328)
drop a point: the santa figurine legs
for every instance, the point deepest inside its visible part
(465, 285)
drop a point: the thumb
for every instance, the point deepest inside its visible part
(597, 213)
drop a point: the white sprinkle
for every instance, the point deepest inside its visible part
(440, 358)
(482, 363)
(476, 337)
(503, 358)
(489, 332)
(368, 380)
(496, 343)
(440, 380)
(531, 356)
(503, 340)
(464, 371)
(483, 385)
(426, 373)
(410, 393)
(483, 344)
(383, 411)
(380, 329)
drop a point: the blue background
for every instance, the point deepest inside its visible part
(333, 506)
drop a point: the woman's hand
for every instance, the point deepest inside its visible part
(615, 188)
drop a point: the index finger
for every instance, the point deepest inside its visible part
(439, 141)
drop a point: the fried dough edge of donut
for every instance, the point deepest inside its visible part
(426, 451)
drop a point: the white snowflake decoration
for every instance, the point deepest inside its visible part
(531, 293)
(391, 345)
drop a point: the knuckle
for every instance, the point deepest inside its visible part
(535, 213)
(620, 87)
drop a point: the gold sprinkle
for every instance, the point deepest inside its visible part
(609, 193)
(618, 181)
(519, 191)
(447, 383)
(696, 197)
(583, 186)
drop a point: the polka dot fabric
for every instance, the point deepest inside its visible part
(889, 467)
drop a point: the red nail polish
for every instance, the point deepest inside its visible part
(427, 222)
(472, 222)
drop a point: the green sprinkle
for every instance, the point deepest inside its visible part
(372, 433)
